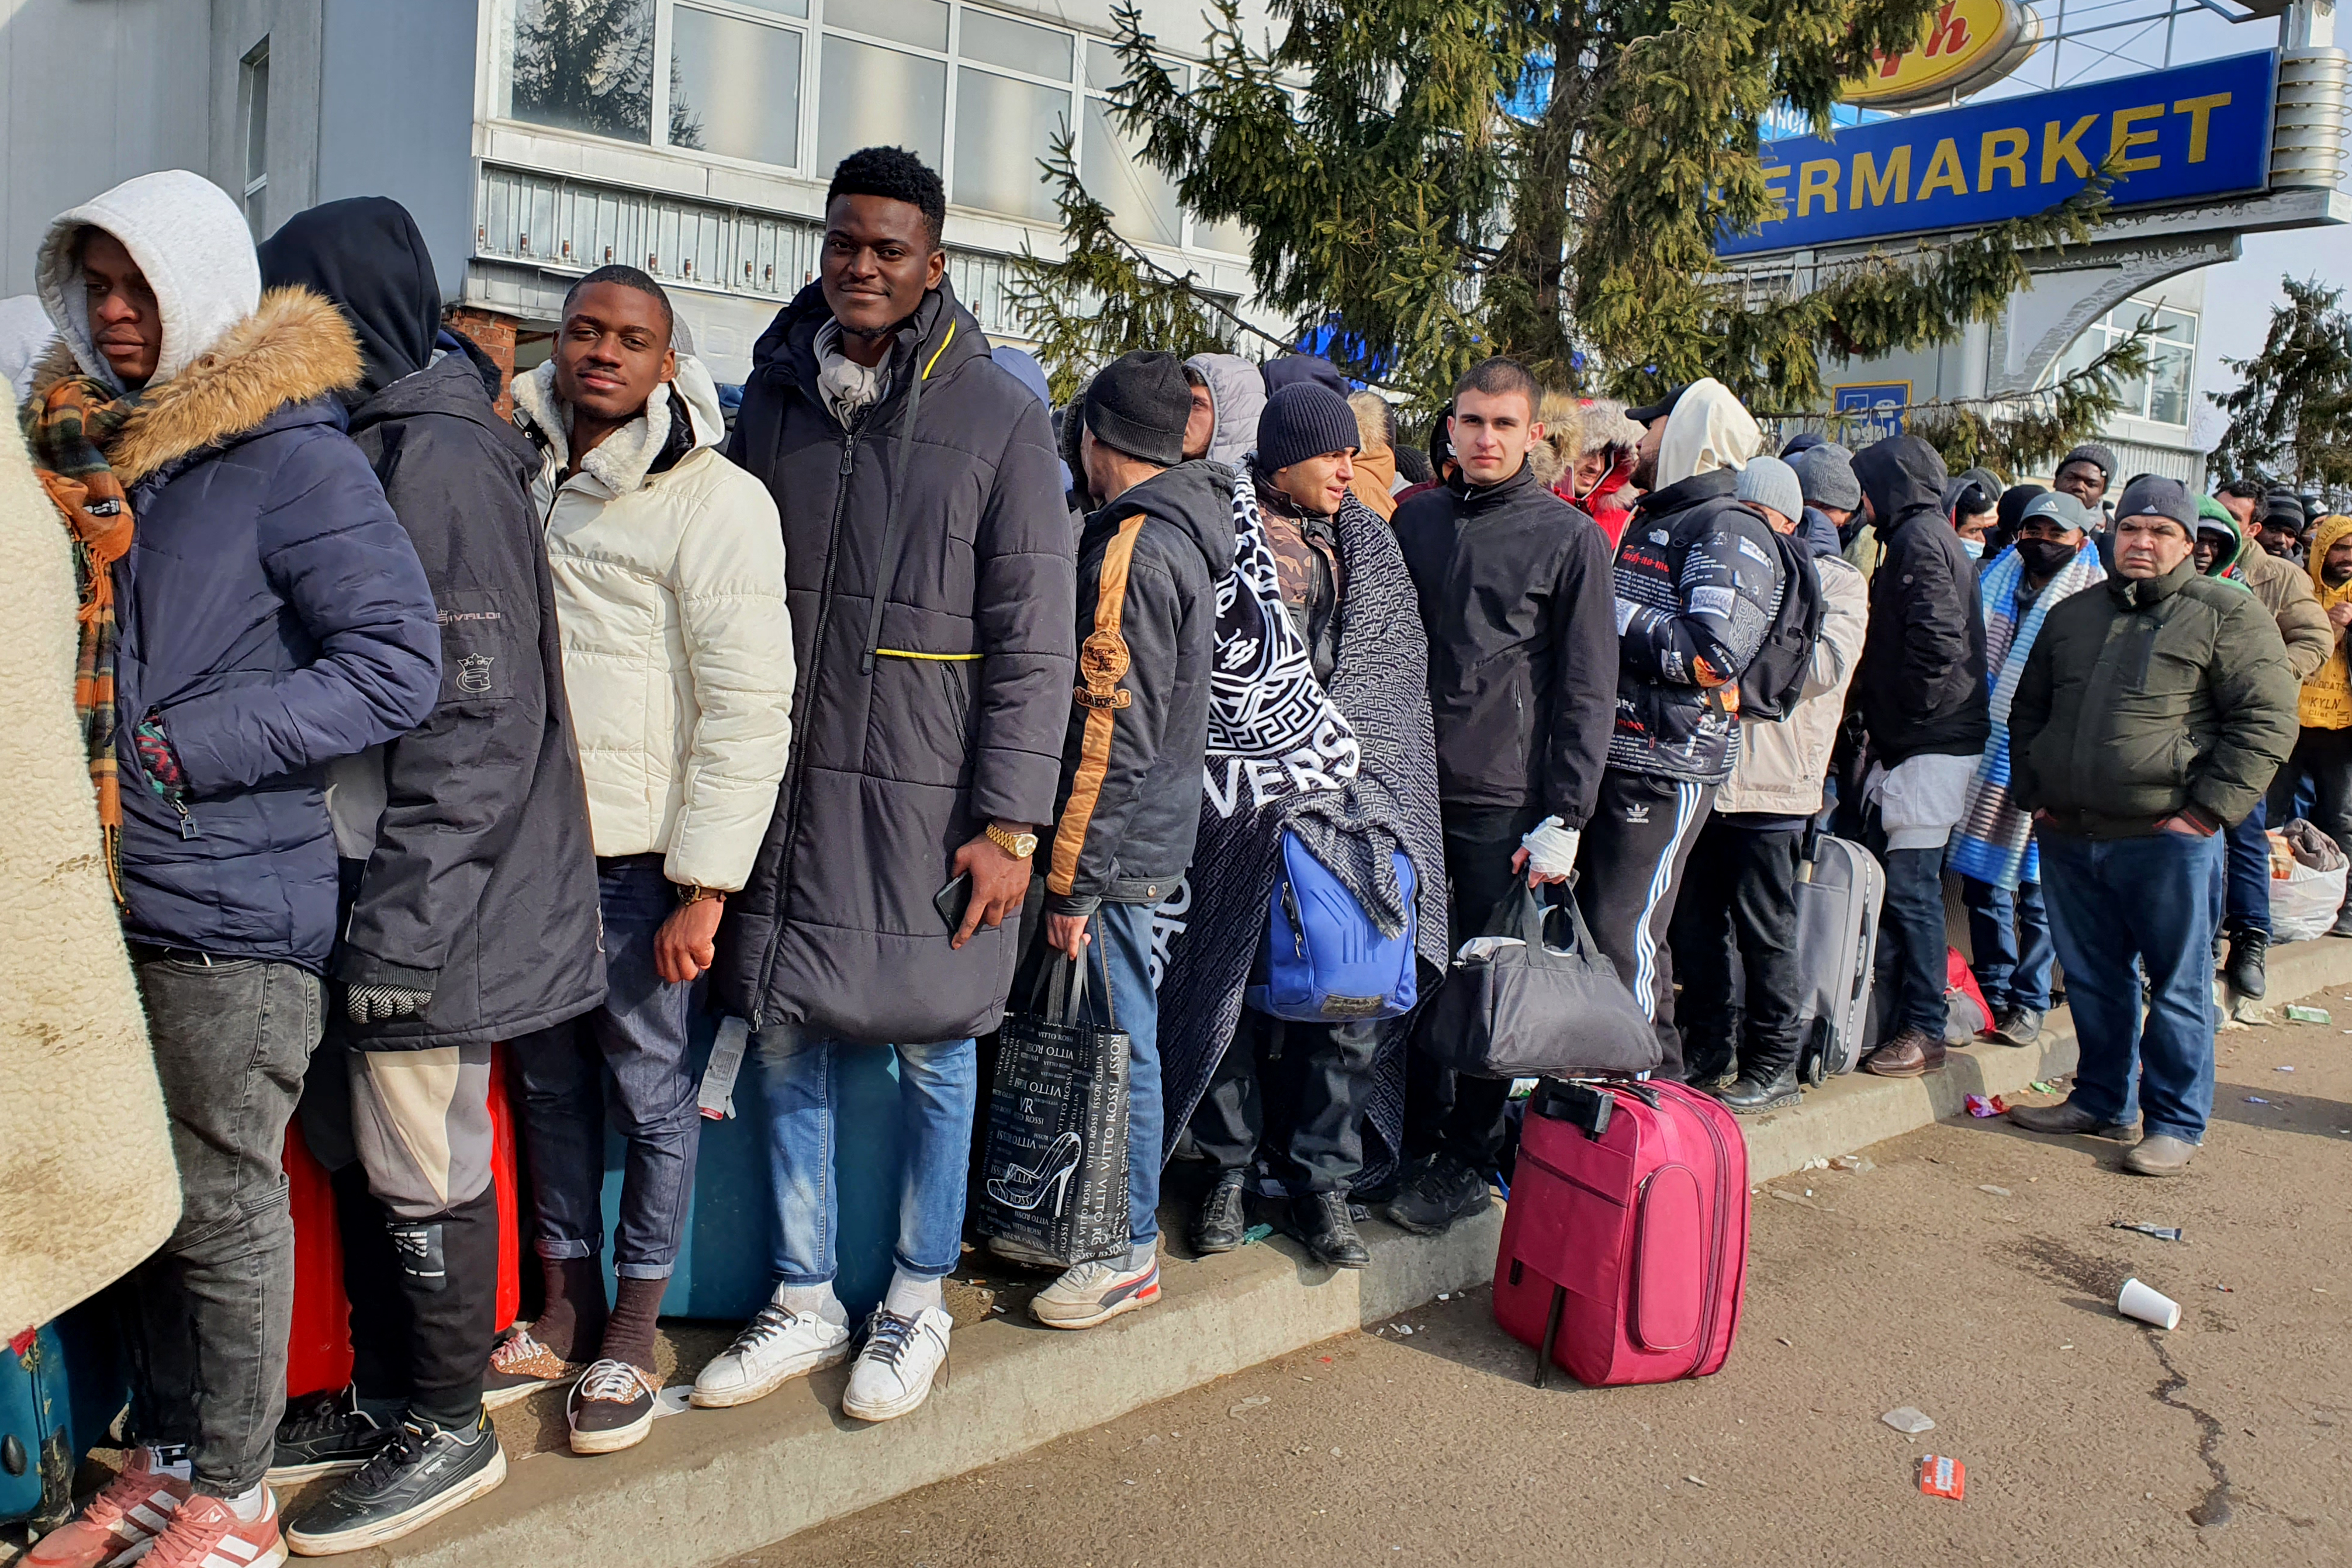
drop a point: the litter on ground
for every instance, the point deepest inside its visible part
(1910, 1419)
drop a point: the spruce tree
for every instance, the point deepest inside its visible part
(2291, 413)
(1449, 179)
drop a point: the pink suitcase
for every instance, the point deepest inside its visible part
(1625, 1243)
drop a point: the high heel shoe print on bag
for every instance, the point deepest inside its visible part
(1023, 1189)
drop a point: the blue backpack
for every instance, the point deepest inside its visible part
(1322, 960)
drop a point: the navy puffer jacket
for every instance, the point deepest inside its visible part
(273, 611)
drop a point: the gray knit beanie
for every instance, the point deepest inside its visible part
(1769, 482)
(1826, 476)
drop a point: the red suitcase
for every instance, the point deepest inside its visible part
(319, 1354)
(1625, 1241)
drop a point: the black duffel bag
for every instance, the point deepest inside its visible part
(1054, 1175)
(1517, 1008)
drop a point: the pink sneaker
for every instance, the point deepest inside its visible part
(118, 1524)
(206, 1533)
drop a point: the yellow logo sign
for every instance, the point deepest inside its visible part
(1964, 44)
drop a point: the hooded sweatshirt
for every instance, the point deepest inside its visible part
(2325, 701)
(26, 335)
(273, 614)
(1921, 684)
(472, 829)
(1697, 581)
(1129, 805)
(1237, 392)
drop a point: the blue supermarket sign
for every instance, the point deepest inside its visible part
(2186, 134)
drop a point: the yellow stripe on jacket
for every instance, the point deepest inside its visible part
(1102, 659)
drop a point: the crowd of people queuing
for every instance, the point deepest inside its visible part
(415, 729)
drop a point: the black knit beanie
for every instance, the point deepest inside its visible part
(1139, 403)
(1303, 420)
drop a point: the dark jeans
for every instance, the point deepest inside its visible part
(213, 1308)
(637, 1041)
(1328, 1070)
(2246, 875)
(2119, 907)
(1735, 930)
(2009, 934)
(1911, 939)
(1629, 874)
(2325, 758)
(1464, 1116)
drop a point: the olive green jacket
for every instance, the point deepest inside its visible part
(2141, 698)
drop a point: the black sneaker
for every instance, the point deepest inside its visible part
(1321, 1220)
(1223, 1221)
(1441, 1192)
(418, 1474)
(611, 1408)
(327, 1436)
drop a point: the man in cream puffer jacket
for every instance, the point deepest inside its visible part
(668, 563)
(1738, 909)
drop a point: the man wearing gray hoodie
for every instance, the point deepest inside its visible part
(253, 612)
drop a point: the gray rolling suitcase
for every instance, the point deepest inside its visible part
(1840, 886)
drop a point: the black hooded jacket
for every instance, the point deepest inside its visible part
(904, 748)
(1130, 804)
(481, 885)
(1517, 596)
(1921, 682)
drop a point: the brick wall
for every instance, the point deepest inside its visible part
(494, 335)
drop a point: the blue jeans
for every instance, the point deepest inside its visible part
(1119, 996)
(2013, 946)
(938, 1089)
(1913, 927)
(637, 1041)
(2149, 900)
(2245, 884)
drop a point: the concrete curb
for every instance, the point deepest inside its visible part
(715, 1483)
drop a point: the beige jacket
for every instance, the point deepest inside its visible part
(1782, 763)
(678, 649)
(88, 1186)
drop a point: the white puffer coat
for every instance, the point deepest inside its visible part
(678, 647)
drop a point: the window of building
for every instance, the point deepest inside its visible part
(2162, 396)
(253, 109)
(797, 85)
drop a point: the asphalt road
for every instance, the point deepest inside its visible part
(2088, 1439)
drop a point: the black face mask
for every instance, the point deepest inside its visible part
(2046, 557)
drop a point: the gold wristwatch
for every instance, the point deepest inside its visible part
(1020, 846)
(695, 893)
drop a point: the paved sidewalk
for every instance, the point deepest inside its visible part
(708, 1485)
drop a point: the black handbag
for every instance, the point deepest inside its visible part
(1054, 1175)
(1523, 1009)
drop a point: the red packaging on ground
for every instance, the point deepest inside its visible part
(1941, 1477)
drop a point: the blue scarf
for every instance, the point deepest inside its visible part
(1994, 841)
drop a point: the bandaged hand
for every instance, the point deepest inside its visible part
(1547, 852)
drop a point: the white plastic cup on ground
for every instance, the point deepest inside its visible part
(2149, 1306)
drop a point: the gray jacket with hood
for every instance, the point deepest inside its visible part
(912, 730)
(1237, 392)
(1130, 804)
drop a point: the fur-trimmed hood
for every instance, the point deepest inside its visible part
(294, 348)
(624, 459)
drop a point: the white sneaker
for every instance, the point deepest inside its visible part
(1017, 1251)
(773, 1348)
(894, 1371)
(1092, 1293)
